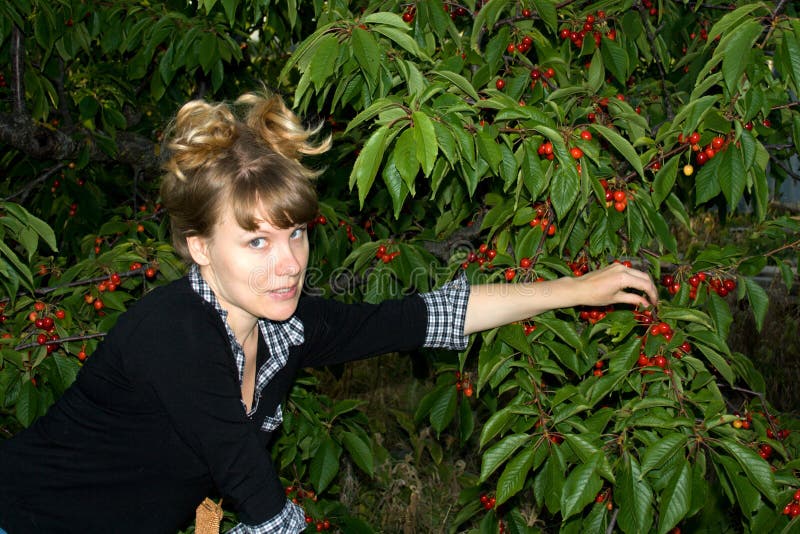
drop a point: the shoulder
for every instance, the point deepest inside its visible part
(168, 310)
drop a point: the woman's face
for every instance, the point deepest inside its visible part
(256, 274)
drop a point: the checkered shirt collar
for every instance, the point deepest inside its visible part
(279, 337)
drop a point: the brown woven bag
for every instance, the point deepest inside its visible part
(208, 517)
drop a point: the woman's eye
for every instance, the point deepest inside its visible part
(258, 242)
(298, 232)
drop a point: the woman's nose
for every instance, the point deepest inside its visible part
(288, 262)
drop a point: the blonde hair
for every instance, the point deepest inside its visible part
(246, 156)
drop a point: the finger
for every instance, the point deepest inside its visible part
(625, 297)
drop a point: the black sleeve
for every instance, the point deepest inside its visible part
(336, 332)
(189, 367)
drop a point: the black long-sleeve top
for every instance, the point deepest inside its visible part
(154, 421)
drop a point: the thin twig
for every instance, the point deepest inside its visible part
(79, 337)
(17, 85)
(651, 38)
(26, 190)
(613, 522)
(77, 283)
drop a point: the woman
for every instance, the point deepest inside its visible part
(182, 397)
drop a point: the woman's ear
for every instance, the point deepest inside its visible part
(198, 248)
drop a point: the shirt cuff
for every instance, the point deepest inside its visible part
(290, 520)
(447, 312)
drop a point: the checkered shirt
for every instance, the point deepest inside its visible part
(447, 308)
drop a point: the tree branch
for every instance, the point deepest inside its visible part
(18, 131)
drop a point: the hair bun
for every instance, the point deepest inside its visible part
(200, 134)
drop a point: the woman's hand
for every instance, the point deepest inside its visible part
(613, 285)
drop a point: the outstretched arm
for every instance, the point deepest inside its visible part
(493, 305)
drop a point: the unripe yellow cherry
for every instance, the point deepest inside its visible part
(688, 170)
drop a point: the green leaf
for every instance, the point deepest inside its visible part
(395, 186)
(360, 451)
(656, 221)
(404, 156)
(581, 487)
(616, 59)
(27, 408)
(676, 499)
(513, 478)
(665, 180)
(444, 408)
(720, 313)
(564, 188)
(731, 176)
(759, 300)
(791, 46)
(756, 468)
(387, 19)
(693, 112)
(401, 38)
(367, 53)
(61, 372)
(634, 497)
(500, 452)
(562, 329)
(735, 50)
(718, 361)
(495, 424)
(323, 62)
(426, 145)
(548, 12)
(658, 453)
(20, 268)
(730, 20)
(488, 149)
(460, 82)
(622, 145)
(324, 464)
(706, 182)
(368, 162)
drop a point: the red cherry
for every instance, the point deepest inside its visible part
(694, 138)
(564, 33)
(576, 152)
(526, 13)
(620, 196)
(717, 143)
(619, 206)
(525, 263)
(510, 274)
(586, 135)
(500, 84)
(408, 16)
(60, 314)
